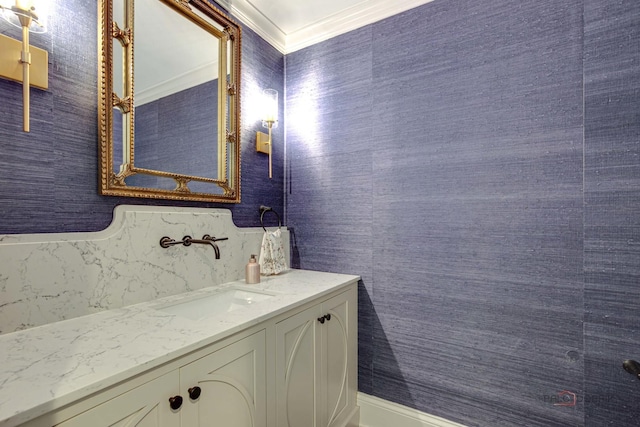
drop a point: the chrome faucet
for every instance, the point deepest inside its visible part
(166, 242)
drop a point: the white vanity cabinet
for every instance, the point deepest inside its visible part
(143, 406)
(227, 387)
(316, 364)
(294, 367)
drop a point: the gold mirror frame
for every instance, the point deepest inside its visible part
(112, 183)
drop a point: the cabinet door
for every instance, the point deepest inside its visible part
(297, 372)
(338, 358)
(144, 406)
(232, 383)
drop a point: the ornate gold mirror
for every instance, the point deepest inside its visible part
(169, 110)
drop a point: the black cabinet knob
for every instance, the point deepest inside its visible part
(194, 393)
(327, 317)
(175, 402)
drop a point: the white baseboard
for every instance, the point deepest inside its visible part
(376, 412)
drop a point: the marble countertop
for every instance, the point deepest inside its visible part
(50, 366)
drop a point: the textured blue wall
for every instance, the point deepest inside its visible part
(612, 209)
(160, 143)
(439, 154)
(49, 177)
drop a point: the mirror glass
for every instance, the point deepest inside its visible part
(169, 100)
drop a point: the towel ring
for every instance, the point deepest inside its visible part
(265, 209)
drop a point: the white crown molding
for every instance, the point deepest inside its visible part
(347, 20)
(334, 25)
(176, 84)
(246, 13)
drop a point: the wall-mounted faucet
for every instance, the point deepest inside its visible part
(166, 242)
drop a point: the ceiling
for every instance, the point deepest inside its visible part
(290, 25)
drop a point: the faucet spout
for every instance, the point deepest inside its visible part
(212, 241)
(216, 249)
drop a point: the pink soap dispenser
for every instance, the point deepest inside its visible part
(252, 271)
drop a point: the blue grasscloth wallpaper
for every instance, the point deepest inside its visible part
(160, 144)
(612, 209)
(478, 164)
(49, 177)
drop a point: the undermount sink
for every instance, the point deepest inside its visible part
(219, 302)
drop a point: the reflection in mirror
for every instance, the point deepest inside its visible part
(176, 82)
(179, 138)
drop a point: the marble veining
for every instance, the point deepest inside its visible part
(46, 278)
(70, 359)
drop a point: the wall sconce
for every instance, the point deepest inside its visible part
(18, 61)
(269, 112)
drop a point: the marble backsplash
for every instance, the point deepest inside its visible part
(46, 278)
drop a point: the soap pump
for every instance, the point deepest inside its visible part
(252, 271)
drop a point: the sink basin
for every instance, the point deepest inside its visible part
(220, 302)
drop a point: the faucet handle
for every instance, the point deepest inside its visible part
(165, 242)
(213, 239)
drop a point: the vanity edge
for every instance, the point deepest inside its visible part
(43, 382)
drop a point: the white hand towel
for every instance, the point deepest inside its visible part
(272, 255)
